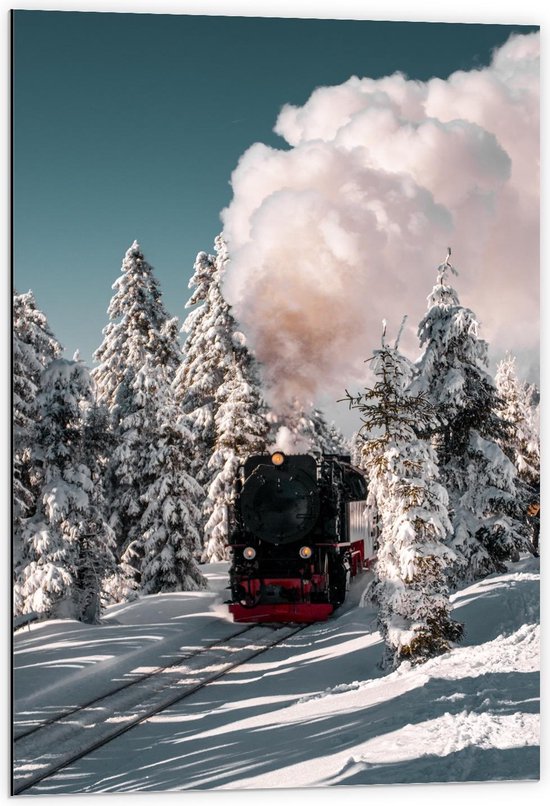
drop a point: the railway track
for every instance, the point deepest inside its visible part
(56, 743)
(22, 732)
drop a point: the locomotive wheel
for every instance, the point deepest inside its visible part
(337, 579)
(337, 593)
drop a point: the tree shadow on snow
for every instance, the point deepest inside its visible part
(229, 750)
(58, 669)
(495, 606)
(467, 765)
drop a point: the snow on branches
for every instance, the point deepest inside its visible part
(479, 478)
(201, 371)
(217, 391)
(34, 346)
(138, 360)
(241, 430)
(239, 415)
(67, 543)
(139, 327)
(410, 584)
(516, 407)
(172, 499)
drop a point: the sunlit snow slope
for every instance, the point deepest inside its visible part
(315, 711)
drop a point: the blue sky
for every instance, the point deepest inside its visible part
(129, 126)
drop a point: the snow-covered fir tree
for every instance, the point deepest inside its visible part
(217, 385)
(139, 355)
(97, 567)
(135, 434)
(521, 443)
(327, 436)
(241, 430)
(67, 544)
(207, 355)
(171, 520)
(401, 465)
(34, 346)
(480, 479)
(139, 327)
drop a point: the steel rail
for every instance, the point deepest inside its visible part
(128, 684)
(71, 758)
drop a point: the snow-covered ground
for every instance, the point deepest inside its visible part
(314, 711)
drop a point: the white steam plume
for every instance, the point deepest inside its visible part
(349, 225)
(290, 442)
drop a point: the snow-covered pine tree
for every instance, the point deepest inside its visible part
(139, 327)
(171, 521)
(241, 430)
(327, 436)
(480, 479)
(217, 381)
(135, 434)
(521, 442)
(410, 584)
(202, 370)
(67, 543)
(207, 355)
(97, 565)
(34, 346)
(141, 337)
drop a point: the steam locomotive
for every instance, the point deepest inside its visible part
(298, 534)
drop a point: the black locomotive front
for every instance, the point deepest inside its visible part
(291, 549)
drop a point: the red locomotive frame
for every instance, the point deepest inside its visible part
(303, 610)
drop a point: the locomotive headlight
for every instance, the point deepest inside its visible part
(278, 458)
(305, 552)
(249, 553)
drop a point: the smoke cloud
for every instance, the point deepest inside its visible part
(348, 225)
